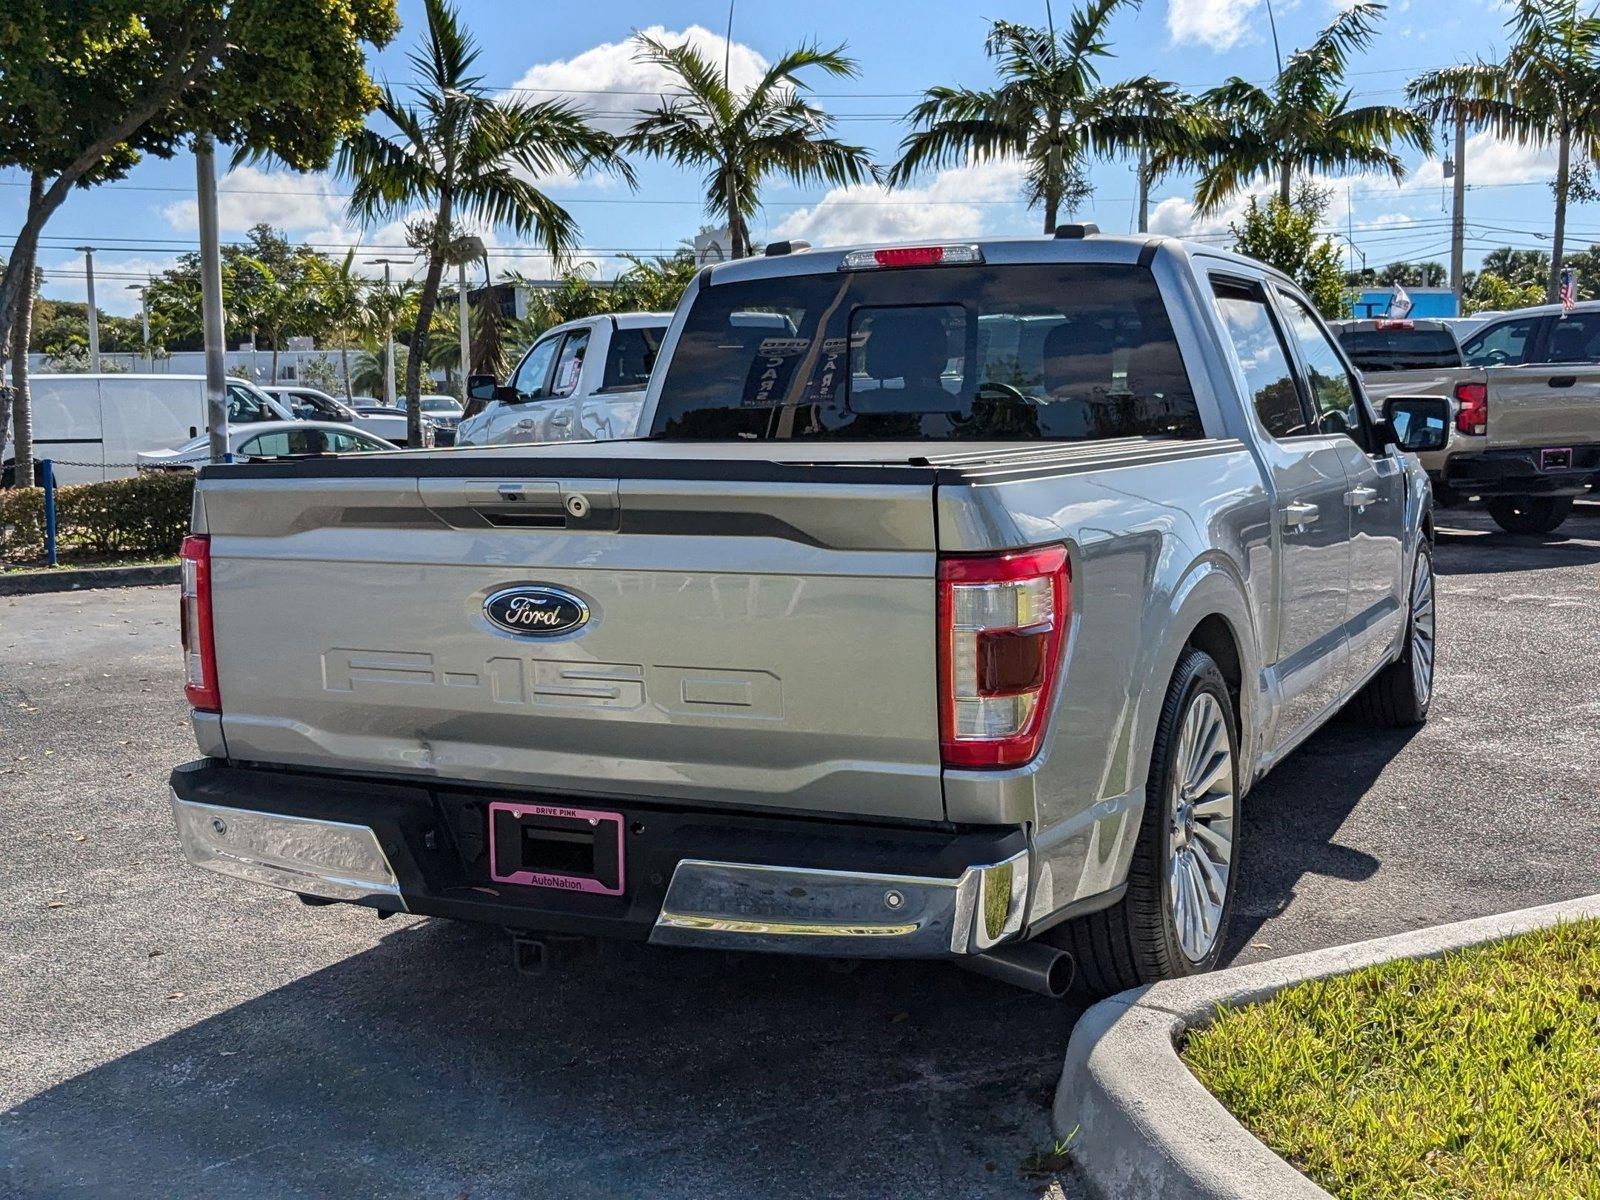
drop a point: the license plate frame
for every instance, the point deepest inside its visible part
(1556, 458)
(561, 826)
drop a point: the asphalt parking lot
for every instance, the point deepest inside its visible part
(166, 1034)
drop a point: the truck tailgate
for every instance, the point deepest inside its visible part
(1543, 405)
(760, 641)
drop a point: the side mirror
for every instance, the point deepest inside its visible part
(481, 387)
(1418, 423)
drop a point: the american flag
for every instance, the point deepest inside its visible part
(1569, 289)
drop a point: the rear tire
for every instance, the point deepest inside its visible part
(1190, 812)
(1529, 514)
(1400, 695)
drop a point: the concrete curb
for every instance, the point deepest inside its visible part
(27, 582)
(1142, 1125)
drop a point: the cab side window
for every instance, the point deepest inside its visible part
(245, 406)
(1263, 356)
(1505, 343)
(530, 379)
(1574, 338)
(569, 367)
(1335, 399)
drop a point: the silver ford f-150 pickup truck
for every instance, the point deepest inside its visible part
(949, 605)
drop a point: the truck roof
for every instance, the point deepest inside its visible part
(1090, 247)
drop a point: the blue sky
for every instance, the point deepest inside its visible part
(579, 49)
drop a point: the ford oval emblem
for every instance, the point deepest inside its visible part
(536, 610)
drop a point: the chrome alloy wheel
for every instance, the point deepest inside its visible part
(1422, 629)
(1200, 826)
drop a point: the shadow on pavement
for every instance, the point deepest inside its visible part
(426, 1067)
(1470, 543)
(1292, 819)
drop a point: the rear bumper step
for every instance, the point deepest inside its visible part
(694, 878)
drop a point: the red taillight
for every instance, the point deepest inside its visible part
(909, 256)
(199, 646)
(1472, 408)
(1002, 624)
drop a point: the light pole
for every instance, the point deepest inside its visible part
(474, 247)
(94, 315)
(144, 313)
(215, 331)
(388, 329)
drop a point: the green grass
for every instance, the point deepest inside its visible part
(1472, 1076)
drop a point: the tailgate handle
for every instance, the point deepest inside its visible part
(1563, 380)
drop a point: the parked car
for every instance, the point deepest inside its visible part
(311, 404)
(269, 440)
(582, 380)
(440, 415)
(953, 622)
(1525, 435)
(100, 423)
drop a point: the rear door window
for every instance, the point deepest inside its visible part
(1067, 352)
(1505, 343)
(629, 359)
(1574, 338)
(1401, 349)
(1263, 357)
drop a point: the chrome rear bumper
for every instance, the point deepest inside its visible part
(332, 859)
(796, 910)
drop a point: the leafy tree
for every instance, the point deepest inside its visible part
(88, 88)
(1050, 109)
(741, 139)
(1545, 90)
(1412, 274)
(1302, 121)
(1495, 293)
(468, 154)
(1285, 236)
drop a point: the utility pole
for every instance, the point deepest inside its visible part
(1144, 190)
(1458, 217)
(94, 315)
(733, 191)
(144, 315)
(212, 323)
(388, 331)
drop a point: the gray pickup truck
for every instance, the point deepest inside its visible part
(949, 605)
(1525, 388)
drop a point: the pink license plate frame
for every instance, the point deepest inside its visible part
(545, 879)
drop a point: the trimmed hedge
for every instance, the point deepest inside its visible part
(148, 514)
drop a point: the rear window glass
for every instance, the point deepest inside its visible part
(628, 360)
(1069, 352)
(1401, 349)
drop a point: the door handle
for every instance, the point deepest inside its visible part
(1563, 381)
(525, 424)
(1300, 514)
(1360, 497)
(561, 418)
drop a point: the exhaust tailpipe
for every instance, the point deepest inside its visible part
(1032, 965)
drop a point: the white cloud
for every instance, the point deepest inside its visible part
(1217, 24)
(1492, 160)
(613, 67)
(947, 206)
(247, 196)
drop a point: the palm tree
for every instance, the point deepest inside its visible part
(468, 155)
(341, 301)
(1546, 89)
(285, 301)
(1050, 109)
(385, 308)
(1303, 121)
(739, 139)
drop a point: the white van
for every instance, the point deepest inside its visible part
(100, 423)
